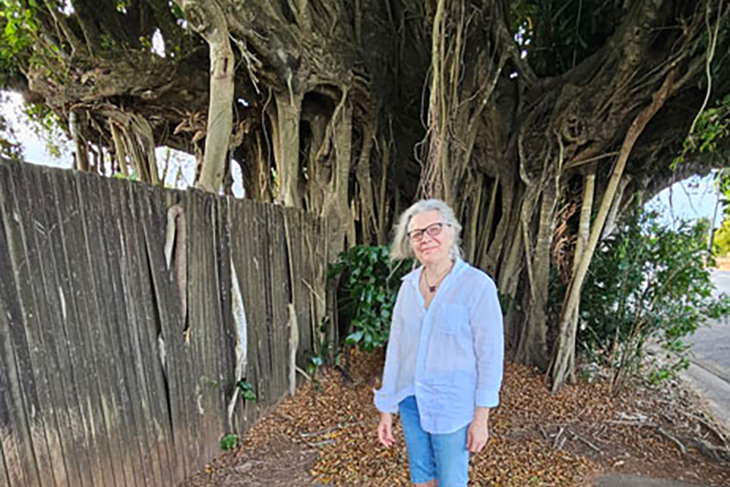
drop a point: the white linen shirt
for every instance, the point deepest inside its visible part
(450, 356)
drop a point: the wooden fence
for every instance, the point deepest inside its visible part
(128, 314)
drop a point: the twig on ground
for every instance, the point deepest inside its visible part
(586, 441)
(320, 443)
(711, 451)
(330, 429)
(672, 439)
(623, 422)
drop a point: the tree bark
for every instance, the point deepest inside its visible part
(563, 363)
(208, 19)
(574, 288)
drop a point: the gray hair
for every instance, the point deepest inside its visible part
(401, 247)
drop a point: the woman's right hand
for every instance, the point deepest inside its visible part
(385, 430)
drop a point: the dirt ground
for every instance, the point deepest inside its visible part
(326, 436)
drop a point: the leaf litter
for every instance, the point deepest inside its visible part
(326, 435)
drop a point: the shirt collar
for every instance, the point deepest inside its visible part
(415, 274)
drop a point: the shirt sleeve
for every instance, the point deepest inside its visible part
(488, 333)
(385, 397)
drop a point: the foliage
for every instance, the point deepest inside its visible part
(647, 281)
(322, 351)
(370, 281)
(556, 35)
(10, 147)
(721, 236)
(713, 124)
(47, 127)
(246, 390)
(17, 33)
(721, 239)
(229, 442)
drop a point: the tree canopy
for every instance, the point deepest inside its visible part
(537, 120)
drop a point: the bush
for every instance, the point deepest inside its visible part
(370, 282)
(647, 281)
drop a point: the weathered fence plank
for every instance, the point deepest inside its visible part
(4, 480)
(11, 407)
(116, 370)
(68, 321)
(149, 333)
(44, 428)
(135, 280)
(244, 236)
(99, 234)
(88, 322)
(115, 205)
(44, 323)
(172, 346)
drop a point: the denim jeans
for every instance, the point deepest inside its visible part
(431, 456)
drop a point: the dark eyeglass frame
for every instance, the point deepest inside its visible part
(433, 230)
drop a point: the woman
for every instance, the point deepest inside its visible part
(443, 366)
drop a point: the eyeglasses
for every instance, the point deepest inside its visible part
(432, 230)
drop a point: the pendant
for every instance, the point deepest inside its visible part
(432, 289)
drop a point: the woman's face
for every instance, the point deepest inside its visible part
(430, 238)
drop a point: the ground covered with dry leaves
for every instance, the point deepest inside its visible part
(326, 436)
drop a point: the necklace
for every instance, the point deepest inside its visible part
(432, 289)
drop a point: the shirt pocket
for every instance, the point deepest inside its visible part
(453, 319)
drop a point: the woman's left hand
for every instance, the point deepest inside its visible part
(477, 436)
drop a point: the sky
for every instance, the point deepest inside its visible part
(181, 173)
(688, 200)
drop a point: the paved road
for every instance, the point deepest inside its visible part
(709, 372)
(712, 344)
(636, 481)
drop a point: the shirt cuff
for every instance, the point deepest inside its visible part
(487, 398)
(385, 403)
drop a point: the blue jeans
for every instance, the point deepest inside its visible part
(432, 456)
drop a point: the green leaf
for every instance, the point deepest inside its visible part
(354, 338)
(246, 390)
(229, 442)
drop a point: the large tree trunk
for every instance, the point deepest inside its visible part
(208, 18)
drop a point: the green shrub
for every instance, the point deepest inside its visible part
(229, 442)
(370, 282)
(647, 281)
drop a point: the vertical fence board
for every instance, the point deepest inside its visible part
(267, 354)
(171, 340)
(8, 418)
(85, 296)
(60, 322)
(118, 257)
(280, 299)
(136, 282)
(244, 235)
(58, 217)
(44, 427)
(4, 480)
(114, 402)
(45, 324)
(227, 335)
(160, 438)
(294, 268)
(11, 407)
(17, 382)
(104, 262)
(206, 320)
